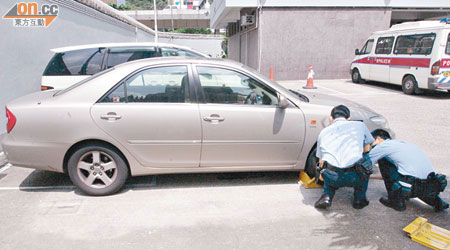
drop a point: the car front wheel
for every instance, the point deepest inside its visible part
(356, 77)
(97, 170)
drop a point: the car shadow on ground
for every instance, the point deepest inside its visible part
(46, 181)
(378, 223)
(427, 94)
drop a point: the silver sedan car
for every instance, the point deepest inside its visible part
(169, 115)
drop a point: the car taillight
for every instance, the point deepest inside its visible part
(435, 68)
(11, 120)
(43, 88)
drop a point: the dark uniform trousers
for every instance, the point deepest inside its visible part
(391, 178)
(335, 178)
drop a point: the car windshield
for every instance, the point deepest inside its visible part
(259, 75)
(61, 92)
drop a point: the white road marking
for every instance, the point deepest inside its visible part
(331, 90)
(4, 168)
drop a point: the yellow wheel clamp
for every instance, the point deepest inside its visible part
(428, 235)
(306, 181)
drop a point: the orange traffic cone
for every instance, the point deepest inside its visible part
(271, 73)
(309, 81)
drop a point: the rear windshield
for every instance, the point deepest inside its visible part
(447, 49)
(127, 54)
(415, 44)
(82, 82)
(76, 62)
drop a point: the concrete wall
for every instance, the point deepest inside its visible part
(234, 47)
(212, 47)
(26, 51)
(249, 48)
(294, 38)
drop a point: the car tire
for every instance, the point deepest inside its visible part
(409, 85)
(356, 77)
(311, 163)
(448, 90)
(97, 169)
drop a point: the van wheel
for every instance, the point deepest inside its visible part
(356, 77)
(97, 170)
(409, 85)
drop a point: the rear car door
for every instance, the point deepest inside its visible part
(150, 114)
(242, 123)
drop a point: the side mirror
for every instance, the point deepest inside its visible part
(357, 52)
(282, 102)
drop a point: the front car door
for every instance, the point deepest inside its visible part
(150, 114)
(242, 123)
(379, 69)
(364, 60)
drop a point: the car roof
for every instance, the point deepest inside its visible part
(108, 45)
(178, 59)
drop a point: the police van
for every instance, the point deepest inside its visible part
(415, 55)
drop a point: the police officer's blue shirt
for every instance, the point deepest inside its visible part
(407, 157)
(341, 144)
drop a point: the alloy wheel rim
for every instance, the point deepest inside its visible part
(97, 169)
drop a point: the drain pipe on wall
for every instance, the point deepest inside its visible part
(156, 21)
(259, 26)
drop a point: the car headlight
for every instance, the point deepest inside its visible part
(380, 120)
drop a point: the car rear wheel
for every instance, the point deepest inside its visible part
(97, 170)
(356, 77)
(409, 85)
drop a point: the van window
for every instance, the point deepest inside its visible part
(76, 62)
(127, 54)
(447, 49)
(367, 48)
(415, 44)
(384, 45)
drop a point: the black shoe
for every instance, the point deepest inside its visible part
(359, 204)
(323, 202)
(440, 205)
(397, 204)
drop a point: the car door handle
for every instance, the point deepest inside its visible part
(213, 117)
(110, 116)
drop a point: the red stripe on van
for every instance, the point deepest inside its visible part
(394, 61)
(445, 63)
(411, 62)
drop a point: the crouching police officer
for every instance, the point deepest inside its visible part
(407, 173)
(339, 147)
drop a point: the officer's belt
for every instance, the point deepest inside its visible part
(336, 169)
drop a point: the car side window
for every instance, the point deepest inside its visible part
(384, 45)
(76, 62)
(230, 87)
(126, 54)
(367, 48)
(421, 44)
(165, 52)
(162, 84)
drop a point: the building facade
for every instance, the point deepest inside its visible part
(289, 36)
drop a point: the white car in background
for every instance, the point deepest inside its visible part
(70, 65)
